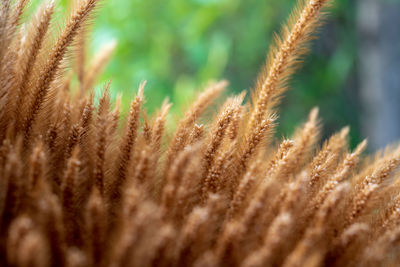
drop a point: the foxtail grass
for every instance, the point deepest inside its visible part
(80, 185)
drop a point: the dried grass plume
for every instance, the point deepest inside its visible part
(80, 186)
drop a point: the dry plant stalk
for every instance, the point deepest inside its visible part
(79, 186)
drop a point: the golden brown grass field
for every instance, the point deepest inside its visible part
(80, 185)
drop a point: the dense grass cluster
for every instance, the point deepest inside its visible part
(81, 187)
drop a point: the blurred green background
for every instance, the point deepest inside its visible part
(179, 45)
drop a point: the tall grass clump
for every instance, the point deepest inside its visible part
(79, 186)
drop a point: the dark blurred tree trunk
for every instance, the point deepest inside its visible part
(379, 69)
